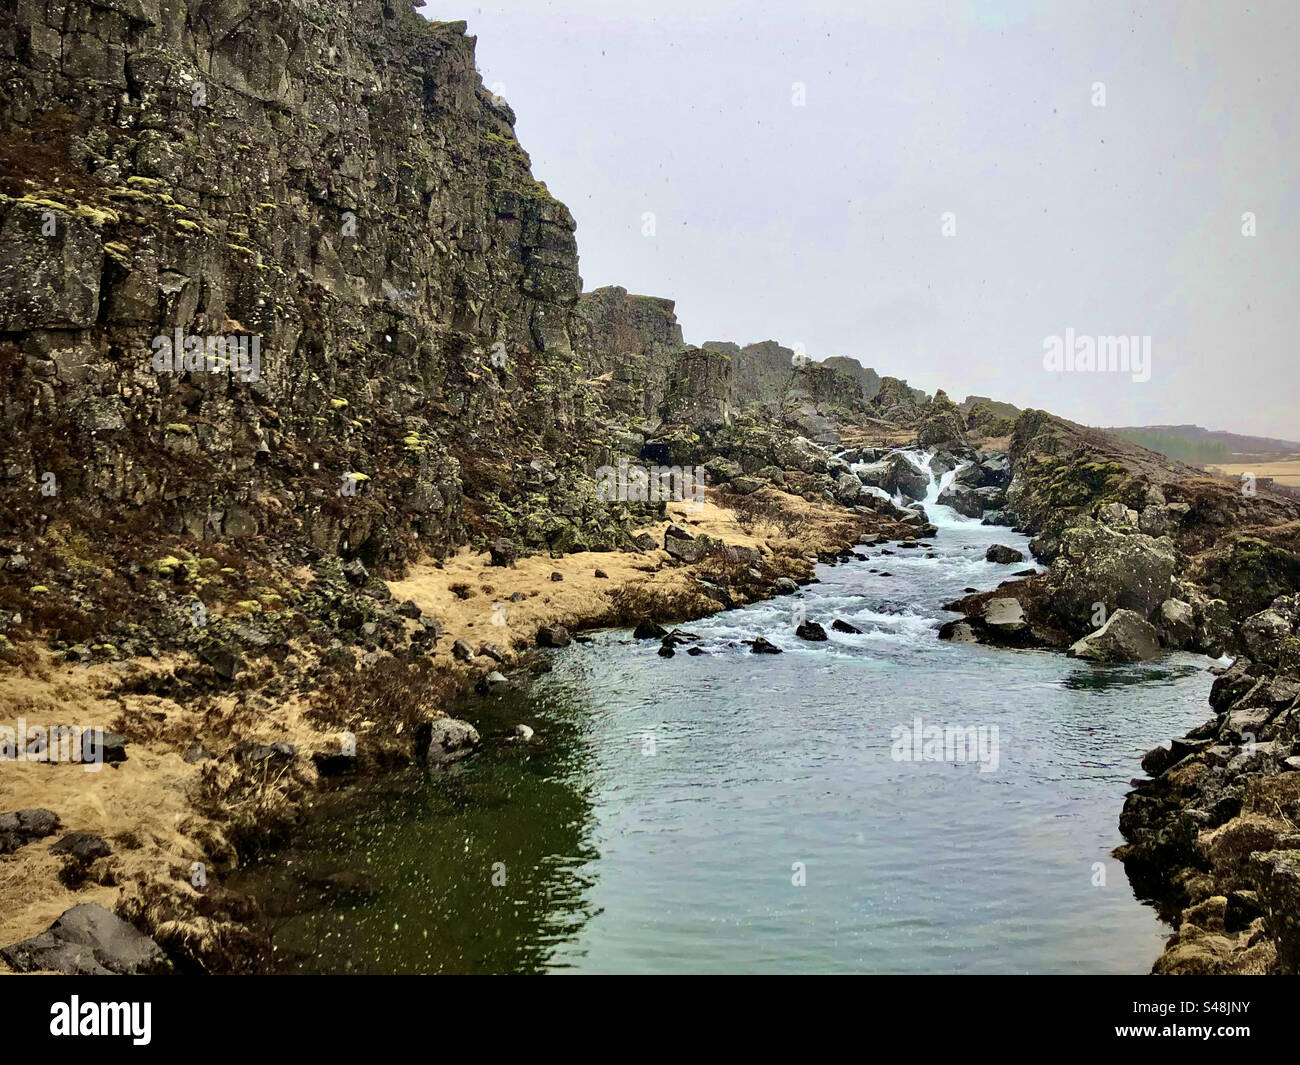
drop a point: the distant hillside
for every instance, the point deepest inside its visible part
(1192, 443)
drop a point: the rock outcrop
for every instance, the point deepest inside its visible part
(1212, 835)
(628, 344)
(942, 425)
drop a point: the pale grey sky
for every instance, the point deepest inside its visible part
(821, 224)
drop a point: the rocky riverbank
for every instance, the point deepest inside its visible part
(1145, 556)
(1214, 835)
(208, 769)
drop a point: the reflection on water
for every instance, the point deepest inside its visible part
(1104, 678)
(478, 870)
(736, 812)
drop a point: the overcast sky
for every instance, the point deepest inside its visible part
(822, 224)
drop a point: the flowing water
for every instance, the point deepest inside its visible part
(733, 812)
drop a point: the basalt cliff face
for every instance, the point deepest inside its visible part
(330, 179)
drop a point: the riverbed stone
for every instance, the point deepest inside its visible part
(812, 631)
(1124, 638)
(553, 636)
(449, 741)
(1003, 555)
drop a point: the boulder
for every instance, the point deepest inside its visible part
(1003, 615)
(811, 631)
(761, 646)
(1003, 555)
(23, 826)
(687, 551)
(503, 552)
(82, 847)
(963, 499)
(1097, 564)
(88, 940)
(1177, 622)
(897, 475)
(1277, 887)
(449, 741)
(553, 636)
(1263, 634)
(1126, 637)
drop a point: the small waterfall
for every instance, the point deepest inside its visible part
(938, 513)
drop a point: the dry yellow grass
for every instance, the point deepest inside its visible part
(150, 808)
(1285, 473)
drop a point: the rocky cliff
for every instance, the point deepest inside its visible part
(630, 344)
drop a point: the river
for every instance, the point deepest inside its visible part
(734, 812)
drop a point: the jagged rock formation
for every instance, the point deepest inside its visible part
(1125, 528)
(1212, 835)
(631, 340)
(329, 179)
(699, 390)
(277, 286)
(941, 424)
(1158, 551)
(989, 417)
(868, 380)
(761, 373)
(897, 402)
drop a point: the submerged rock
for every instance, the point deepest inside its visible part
(449, 741)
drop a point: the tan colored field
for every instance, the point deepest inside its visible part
(1285, 473)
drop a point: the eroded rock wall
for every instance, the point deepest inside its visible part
(329, 178)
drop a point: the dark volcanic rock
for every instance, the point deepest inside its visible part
(82, 847)
(23, 826)
(1003, 555)
(553, 636)
(88, 940)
